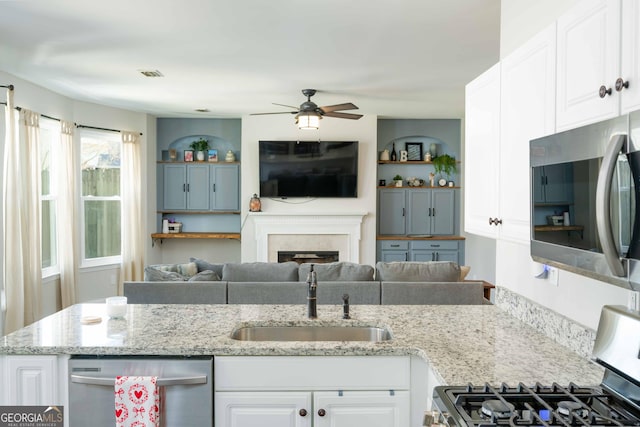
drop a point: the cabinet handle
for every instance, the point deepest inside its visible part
(494, 221)
(433, 211)
(184, 188)
(437, 256)
(603, 91)
(402, 211)
(302, 412)
(395, 246)
(214, 187)
(322, 412)
(435, 246)
(188, 187)
(433, 256)
(621, 84)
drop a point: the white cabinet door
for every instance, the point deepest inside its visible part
(588, 59)
(527, 112)
(482, 152)
(630, 70)
(264, 409)
(361, 409)
(29, 380)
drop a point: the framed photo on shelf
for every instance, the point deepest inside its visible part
(414, 151)
(213, 156)
(188, 155)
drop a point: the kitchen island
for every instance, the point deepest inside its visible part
(458, 344)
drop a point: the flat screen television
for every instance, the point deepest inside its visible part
(308, 168)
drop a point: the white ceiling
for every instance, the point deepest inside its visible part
(392, 58)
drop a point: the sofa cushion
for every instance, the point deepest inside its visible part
(206, 265)
(168, 273)
(260, 272)
(404, 271)
(266, 292)
(432, 293)
(176, 293)
(337, 271)
(187, 270)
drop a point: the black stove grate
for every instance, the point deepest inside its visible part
(538, 405)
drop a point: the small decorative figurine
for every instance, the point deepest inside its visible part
(255, 205)
(432, 177)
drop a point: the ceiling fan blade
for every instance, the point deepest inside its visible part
(282, 112)
(343, 115)
(284, 105)
(345, 106)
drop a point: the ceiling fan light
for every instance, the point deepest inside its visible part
(308, 121)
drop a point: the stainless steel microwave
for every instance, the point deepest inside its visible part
(583, 200)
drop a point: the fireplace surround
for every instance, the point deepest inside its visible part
(318, 231)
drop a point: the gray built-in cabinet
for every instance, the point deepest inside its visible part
(421, 250)
(201, 187)
(416, 211)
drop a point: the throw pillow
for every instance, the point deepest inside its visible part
(205, 276)
(152, 274)
(206, 265)
(188, 269)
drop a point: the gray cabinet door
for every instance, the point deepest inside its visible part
(175, 187)
(419, 212)
(225, 183)
(442, 212)
(392, 211)
(198, 187)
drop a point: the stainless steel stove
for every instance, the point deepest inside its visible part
(615, 402)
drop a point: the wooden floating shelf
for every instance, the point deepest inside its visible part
(199, 212)
(193, 235)
(558, 228)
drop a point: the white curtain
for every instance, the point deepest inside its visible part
(22, 251)
(132, 216)
(67, 214)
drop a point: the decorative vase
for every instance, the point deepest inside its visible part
(433, 149)
(384, 155)
(200, 156)
(398, 183)
(230, 157)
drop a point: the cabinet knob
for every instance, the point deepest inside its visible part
(302, 412)
(495, 221)
(621, 84)
(322, 412)
(603, 91)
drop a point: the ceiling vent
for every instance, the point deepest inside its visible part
(151, 73)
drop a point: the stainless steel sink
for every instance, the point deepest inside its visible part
(312, 333)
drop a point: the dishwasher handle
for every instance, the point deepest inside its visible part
(162, 382)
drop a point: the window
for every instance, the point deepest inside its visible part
(49, 143)
(100, 200)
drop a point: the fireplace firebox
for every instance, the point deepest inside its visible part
(301, 257)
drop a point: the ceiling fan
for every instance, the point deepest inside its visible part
(308, 115)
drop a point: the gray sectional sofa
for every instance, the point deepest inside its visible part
(201, 282)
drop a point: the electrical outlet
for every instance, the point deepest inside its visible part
(634, 301)
(552, 276)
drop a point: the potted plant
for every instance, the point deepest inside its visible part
(200, 146)
(446, 164)
(398, 180)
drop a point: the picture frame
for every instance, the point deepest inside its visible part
(414, 151)
(212, 155)
(188, 155)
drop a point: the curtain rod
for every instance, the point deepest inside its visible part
(10, 87)
(104, 129)
(77, 125)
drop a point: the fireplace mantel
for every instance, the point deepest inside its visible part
(343, 224)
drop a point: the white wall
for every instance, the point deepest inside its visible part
(97, 282)
(576, 297)
(282, 127)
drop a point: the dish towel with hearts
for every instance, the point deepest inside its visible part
(137, 402)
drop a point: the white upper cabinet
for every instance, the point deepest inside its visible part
(482, 152)
(507, 106)
(630, 69)
(590, 41)
(527, 112)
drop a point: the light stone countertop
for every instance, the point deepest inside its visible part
(462, 344)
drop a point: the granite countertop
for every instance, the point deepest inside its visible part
(462, 344)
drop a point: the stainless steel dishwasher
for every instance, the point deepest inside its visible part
(187, 384)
